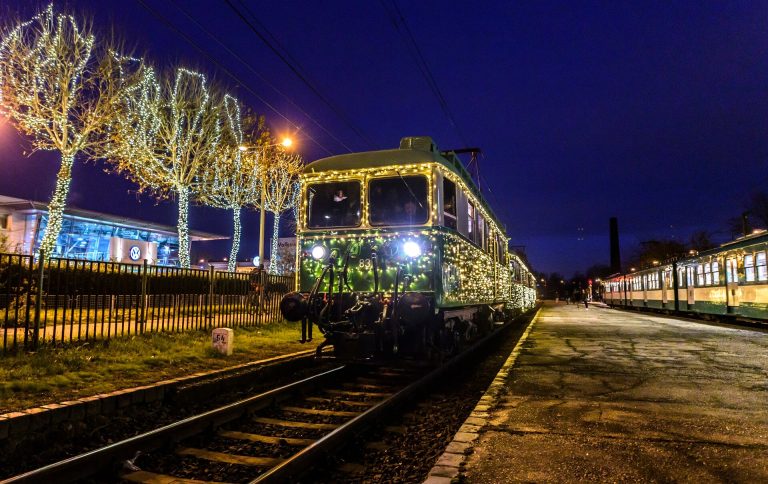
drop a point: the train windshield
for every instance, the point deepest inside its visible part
(399, 200)
(335, 204)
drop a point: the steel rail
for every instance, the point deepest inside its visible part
(99, 460)
(294, 467)
(90, 463)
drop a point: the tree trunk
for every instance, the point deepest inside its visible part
(273, 250)
(183, 227)
(235, 240)
(57, 205)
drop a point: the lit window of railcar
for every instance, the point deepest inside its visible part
(471, 221)
(707, 275)
(700, 275)
(762, 271)
(450, 219)
(716, 273)
(749, 267)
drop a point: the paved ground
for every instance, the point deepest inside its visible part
(606, 395)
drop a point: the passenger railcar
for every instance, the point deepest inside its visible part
(398, 253)
(729, 280)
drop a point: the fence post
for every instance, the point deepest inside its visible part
(143, 297)
(209, 306)
(38, 298)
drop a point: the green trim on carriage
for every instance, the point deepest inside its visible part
(653, 303)
(400, 156)
(751, 310)
(706, 307)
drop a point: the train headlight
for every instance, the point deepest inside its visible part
(411, 248)
(319, 252)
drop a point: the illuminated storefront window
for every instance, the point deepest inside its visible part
(84, 239)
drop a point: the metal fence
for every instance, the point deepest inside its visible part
(70, 300)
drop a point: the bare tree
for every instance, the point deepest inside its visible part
(60, 90)
(282, 191)
(758, 209)
(167, 134)
(233, 180)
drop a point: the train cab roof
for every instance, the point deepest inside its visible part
(413, 150)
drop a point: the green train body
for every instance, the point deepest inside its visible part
(398, 253)
(730, 280)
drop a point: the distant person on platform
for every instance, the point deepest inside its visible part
(586, 301)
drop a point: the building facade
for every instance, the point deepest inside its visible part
(90, 235)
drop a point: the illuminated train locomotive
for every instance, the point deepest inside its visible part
(731, 281)
(398, 254)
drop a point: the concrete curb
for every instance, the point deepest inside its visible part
(450, 464)
(15, 424)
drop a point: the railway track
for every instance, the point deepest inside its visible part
(275, 436)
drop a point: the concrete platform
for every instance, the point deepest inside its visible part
(607, 395)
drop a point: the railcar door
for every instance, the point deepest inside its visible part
(645, 289)
(732, 284)
(690, 286)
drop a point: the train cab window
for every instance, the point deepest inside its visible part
(450, 219)
(398, 200)
(749, 268)
(762, 270)
(335, 204)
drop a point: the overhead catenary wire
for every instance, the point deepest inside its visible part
(397, 19)
(298, 72)
(250, 67)
(227, 71)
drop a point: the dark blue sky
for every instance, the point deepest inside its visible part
(654, 112)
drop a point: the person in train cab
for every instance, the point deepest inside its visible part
(409, 210)
(340, 206)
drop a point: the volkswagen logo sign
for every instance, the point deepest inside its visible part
(135, 252)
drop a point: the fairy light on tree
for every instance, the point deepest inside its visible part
(232, 181)
(167, 135)
(61, 90)
(281, 181)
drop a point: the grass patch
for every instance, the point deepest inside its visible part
(57, 374)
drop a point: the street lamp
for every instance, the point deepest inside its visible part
(286, 143)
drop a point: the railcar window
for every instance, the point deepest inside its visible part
(398, 200)
(681, 277)
(700, 275)
(471, 222)
(334, 204)
(716, 273)
(481, 232)
(749, 267)
(762, 270)
(707, 274)
(449, 204)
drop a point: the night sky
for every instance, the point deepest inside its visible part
(655, 113)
